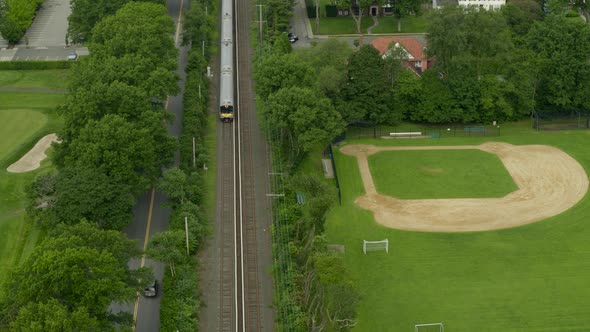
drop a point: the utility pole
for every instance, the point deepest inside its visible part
(260, 21)
(186, 232)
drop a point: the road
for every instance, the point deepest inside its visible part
(149, 216)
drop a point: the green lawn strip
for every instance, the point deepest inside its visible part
(31, 100)
(423, 174)
(410, 24)
(48, 79)
(340, 25)
(529, 278)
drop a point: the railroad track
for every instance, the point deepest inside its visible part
(239, 293)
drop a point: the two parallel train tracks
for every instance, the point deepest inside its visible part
(239, 294)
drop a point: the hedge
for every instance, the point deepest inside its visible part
(18, 65)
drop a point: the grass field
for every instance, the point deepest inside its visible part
(434, 174)
(529, 278)
(47, 79)
(24, 118)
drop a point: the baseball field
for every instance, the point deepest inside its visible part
(485, 234)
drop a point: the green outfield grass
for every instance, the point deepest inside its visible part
(47, 79)
(440, 174)
(25, 117)
(528, 278)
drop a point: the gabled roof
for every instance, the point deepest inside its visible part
(410, 44)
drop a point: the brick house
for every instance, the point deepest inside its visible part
(415, 57)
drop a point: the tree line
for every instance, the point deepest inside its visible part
(114, 145)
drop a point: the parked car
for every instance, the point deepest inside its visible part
(151, 290)
(73, 56)
(292, 37)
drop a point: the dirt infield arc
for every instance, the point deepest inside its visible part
(549, 182)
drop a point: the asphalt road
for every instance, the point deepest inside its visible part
(149, 215)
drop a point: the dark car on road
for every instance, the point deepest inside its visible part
(292, 37)
(151, 290)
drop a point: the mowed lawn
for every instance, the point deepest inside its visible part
(24, 118)
(46, 79)
(529, 278)
(440, 174)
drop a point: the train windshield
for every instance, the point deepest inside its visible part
(227, 109)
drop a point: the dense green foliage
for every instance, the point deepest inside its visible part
(184, 186)
(16, 16)
(295, 89)
(114, 145)
(87, 13)
(78, 271)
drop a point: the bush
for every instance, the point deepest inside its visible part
(331, 11)
(18, 18)
(311, 11)
(19, 65)
(11, 31)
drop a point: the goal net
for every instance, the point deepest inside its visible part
(430, 327)
(375, 245)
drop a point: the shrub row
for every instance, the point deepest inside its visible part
(179, 309)
(31, 65)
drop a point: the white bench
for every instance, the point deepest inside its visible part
(407, 134)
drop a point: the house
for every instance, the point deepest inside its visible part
(485, 4)
(411, 48)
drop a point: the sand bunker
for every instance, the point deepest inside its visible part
(549, 182)
(32, 159)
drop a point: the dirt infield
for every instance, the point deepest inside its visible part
(32, 159)
(549, 182)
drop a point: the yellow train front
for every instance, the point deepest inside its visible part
(226, 79)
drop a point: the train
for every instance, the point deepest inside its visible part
(226, 78)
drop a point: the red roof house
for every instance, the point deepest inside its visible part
(413, 50)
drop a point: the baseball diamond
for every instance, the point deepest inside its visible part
(549, 182)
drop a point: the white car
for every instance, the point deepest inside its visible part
(73, 56)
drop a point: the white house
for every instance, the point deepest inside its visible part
(485, 4)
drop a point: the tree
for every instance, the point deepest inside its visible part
(82, 268)
(478, 37)
(563, 47)
(141, 29)
(87, 193)
(131, 154)
(403, 8)
(86, 13)
(169, 247)
(281, 71)
(521, 14)
(196, 24)
(365, 95)
(172, 185)
(53, 316)
(406, 95)
(302, 118)
(357, 9)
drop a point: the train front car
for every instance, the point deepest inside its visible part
(226, 80)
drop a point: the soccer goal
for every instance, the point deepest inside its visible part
(430, 327)
(375, 245)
